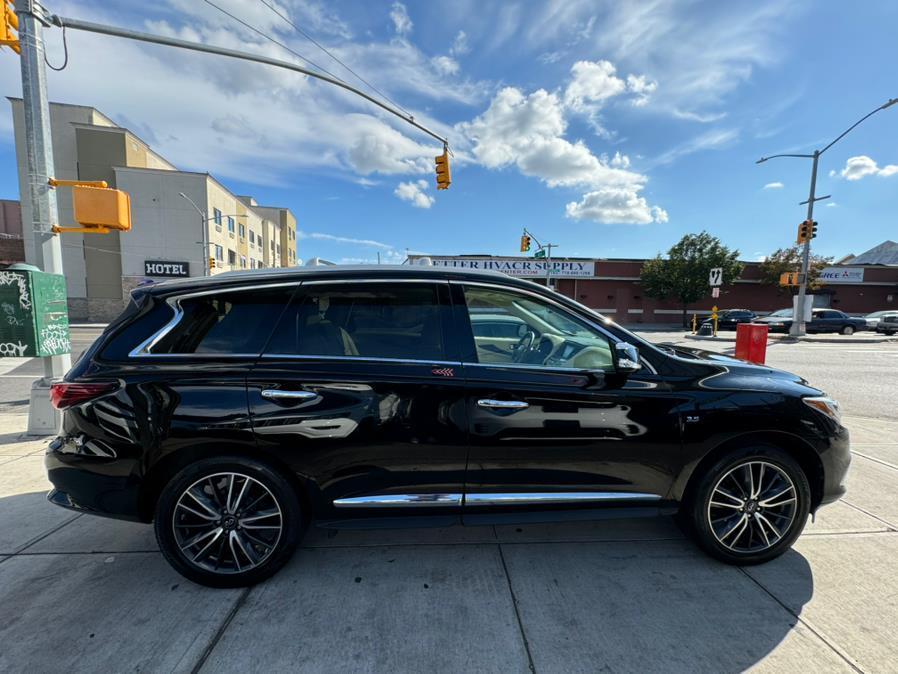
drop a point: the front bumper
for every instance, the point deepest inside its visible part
(836, 459)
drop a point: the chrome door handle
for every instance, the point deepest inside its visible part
(503, 404)
(278, 394)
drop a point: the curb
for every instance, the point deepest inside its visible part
(786, 339)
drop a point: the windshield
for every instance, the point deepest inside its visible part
(782, 313)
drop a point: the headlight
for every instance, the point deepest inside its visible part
(827, 406)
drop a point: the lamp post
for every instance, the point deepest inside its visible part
(205, 242)
(798, 323)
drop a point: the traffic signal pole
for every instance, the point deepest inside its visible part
(39, 168)
(798, 327)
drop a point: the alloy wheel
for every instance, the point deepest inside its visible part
(227, 523)
(752, 507)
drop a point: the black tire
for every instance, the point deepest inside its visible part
(848, 330)
(698, 510)
(278, 522)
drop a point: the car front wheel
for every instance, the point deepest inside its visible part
(228, 522)
(750, 506)
(848, 330)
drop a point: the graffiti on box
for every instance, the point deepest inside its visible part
(10, 278)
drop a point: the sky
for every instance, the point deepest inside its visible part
(608, 128)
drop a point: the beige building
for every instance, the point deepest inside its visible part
(166, 238)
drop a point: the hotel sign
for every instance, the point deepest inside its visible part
(842, 275)
(517, 266)
(165, 268)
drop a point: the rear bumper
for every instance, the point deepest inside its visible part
(97, 485)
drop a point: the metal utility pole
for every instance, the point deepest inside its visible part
(39, 164)
(798, 322)
(205, 228)
(548, 256)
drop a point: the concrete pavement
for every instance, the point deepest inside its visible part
(79, 593)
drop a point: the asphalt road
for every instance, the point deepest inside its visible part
(860, 376)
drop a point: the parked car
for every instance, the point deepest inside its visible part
(728, 319)
(234, 411)
(874, 318)
(888, 323)
(822, 320)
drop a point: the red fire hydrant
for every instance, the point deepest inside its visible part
(751, 342)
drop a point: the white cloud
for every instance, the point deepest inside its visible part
(527, 131)
(320, 236)
(642, 87)
(832, 204)
(401, 20)
(413, 192)
(445, 65)
(773, 186)
(593, 82)
(460, 45)
(709, 140)
(612, 205)
(862, 166)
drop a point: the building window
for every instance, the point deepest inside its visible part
(279, 250)
(216, 215)
(243, 261)
(252, 237)
(242, 231)
(232, 257)
(252, 263)
(231, 225)
(219, 253)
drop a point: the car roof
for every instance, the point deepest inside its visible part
(330, 272)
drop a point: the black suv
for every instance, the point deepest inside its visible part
(233, 411)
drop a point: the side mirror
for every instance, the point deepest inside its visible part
(626, 358)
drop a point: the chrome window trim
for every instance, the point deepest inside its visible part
(411, 361)
(524, 498)
(431, 281)
(399, 500)
(143, 350)
(514, 289)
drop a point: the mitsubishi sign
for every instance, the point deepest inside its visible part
(523, 267)
(832, 275)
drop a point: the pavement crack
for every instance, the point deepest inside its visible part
(241, 600)
(797, 616)
(892, 527)
(517, 613)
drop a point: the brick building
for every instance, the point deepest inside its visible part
(612, 287)
(12, 247)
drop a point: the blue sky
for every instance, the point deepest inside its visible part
(610, 128)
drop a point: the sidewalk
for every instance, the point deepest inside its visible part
(857, 338)
(84, 594)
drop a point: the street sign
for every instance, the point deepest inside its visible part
(540, 254)
(715, 293)
(715, 278)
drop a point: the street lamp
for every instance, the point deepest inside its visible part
(798, 324)
(205, 241)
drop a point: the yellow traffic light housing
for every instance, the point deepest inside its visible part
(790, 278)
(97, 208)
(211, 263)
(525, 243)
(807, 230)
(9, 26)
(444, 177)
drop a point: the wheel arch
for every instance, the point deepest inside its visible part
(159, 474)
(794, 445)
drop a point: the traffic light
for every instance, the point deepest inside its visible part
(525, 243)
(790, 278)
(211, 263)
(9, 26)
(444, 178)
(807, 230)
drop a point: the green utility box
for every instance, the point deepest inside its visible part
(34, 317)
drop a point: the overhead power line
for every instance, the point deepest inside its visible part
(329, 53)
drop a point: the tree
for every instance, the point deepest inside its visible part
(683, 274)
(789, 259)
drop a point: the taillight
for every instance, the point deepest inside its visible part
(66, 394)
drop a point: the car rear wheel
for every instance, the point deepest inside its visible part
(848, 330)
(750, 506)
(228, 522)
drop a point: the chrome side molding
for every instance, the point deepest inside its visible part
(399, 500)
(503, 404)
(494, 498)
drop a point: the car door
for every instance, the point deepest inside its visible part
(827, 320)
(553, 427)
(355, 394)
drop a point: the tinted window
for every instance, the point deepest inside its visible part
(367, 320)
(551, 337)
(236, 322)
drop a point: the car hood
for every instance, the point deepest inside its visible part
(735, 373)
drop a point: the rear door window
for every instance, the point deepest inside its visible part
(403, 321)
(236, 322)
